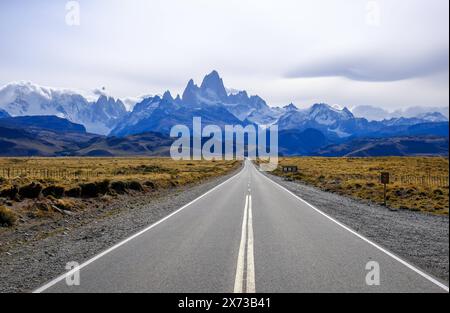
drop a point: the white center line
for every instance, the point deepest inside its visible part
(245, 271)
(250, 255)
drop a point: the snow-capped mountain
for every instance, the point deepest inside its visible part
(341, 123)
(160, 115)
(215, 105)
(211, 101)
(432, 117)
(320, 116)
(27, 99)
(213, 92)
(107, 111)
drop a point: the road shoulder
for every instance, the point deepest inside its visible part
(420, 238)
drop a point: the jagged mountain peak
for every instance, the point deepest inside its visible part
(321, 109)
(290, 107)
(108, 100)
(191, 84)
(211, 78)
(168, 96)
(107, 107)
(243, 93)
(189, 94)
(322, 106)
(213, 85)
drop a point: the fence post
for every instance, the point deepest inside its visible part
(385, 180)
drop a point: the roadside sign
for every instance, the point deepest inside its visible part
(385, 178)
(290, 169)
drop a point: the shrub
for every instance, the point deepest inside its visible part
(7, 216)
(74, 192)
(150, 184)
(54, 191)
(119, 187)
(102, 187)
(135, 185)
(66, 205)
(44, 206)
(31, 191)
(10, 193)
(89, 190)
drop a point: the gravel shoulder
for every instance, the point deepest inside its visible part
(37, 259)
(420, 238)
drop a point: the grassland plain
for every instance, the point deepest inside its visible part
(46, 188)
(417, 183)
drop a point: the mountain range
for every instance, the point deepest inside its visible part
(320, 129)
(27, 99)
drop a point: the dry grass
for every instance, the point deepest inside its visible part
(7, 216)
(417, 183)
(43, 188)
(71, 172)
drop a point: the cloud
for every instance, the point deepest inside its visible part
(376, 67)
(100, 92)
(370, 112)
(130, 102)
(138, 46)
(377, 114)
(415, 111)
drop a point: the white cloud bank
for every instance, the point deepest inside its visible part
(284, 50)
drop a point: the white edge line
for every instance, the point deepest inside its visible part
(238, 280)
(408, 265)
(98, 256)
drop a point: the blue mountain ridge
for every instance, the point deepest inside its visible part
(301, 131)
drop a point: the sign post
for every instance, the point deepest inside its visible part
(385, 178)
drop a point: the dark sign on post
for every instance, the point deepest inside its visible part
(290, 169)
(385, 178)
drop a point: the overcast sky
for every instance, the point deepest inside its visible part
(388, 53)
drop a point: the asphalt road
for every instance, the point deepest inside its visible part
(246, 235)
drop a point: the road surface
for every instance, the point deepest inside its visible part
(246, 235)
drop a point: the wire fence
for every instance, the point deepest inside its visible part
(423, 180)
(48, 173)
